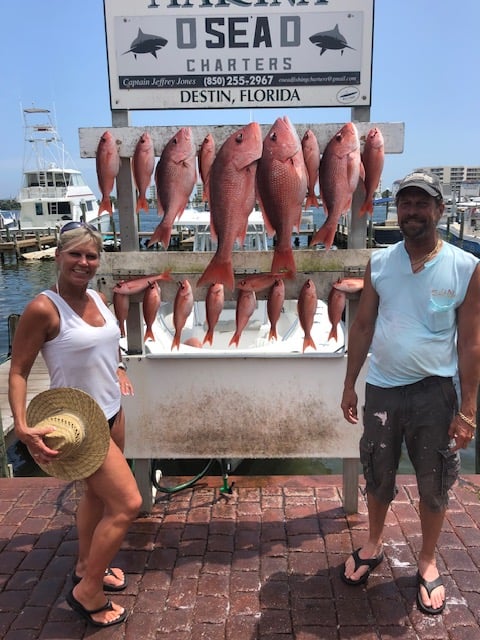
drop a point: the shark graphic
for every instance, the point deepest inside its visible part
(146, 43)
(332, 39)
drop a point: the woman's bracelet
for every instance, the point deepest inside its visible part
(472, 423)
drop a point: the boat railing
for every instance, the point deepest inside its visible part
(34, 193)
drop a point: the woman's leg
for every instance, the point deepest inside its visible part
(90, 511)
(114, 486)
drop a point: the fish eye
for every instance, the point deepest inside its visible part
(274, 136)
(239, 138)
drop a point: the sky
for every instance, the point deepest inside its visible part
(426, 66)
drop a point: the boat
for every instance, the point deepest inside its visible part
(459, 235)
(254, 339)
(53, 191)
(192, 231)
(8, 219)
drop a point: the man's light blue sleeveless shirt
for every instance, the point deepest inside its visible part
(415, 331)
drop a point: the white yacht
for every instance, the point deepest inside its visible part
(52, 191)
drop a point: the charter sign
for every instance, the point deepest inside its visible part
(228, 54)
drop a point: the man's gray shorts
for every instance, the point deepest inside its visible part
(420, 414)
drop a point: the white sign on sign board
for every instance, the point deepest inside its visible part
(229, 54)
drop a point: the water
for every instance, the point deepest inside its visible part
(21, 281)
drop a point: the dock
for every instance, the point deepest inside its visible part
(21, 243)
(262, 563)
(38, 381)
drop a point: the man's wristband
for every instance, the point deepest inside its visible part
(472, 423)
(122, 365)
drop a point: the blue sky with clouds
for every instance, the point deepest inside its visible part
(426, 65)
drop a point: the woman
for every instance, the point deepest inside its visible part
(78, 337)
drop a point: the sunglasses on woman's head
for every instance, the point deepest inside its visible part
(73, 224)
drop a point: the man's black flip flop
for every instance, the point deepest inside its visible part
(429, 587)
(371, 563)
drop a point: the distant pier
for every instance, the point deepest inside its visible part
(22, 242)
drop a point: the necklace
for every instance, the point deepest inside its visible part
(417, 265)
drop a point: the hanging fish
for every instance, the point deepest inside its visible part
(213, 307)
(275, 300)
(182, 308)
(307, 307)
(339, 174)
(281, 188)
(143, 163)
(311, 156)
(108, 165)
(373, 158)
(232, 198)
(175, 177)
(206, 156)
(150, 306)
(246, 303)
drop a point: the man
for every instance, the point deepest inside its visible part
(418, 316)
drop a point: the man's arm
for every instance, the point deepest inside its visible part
(359, 340)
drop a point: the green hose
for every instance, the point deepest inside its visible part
(183, 485)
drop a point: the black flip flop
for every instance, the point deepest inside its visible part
(112, 588)
(88, 613)
(429, 587)
(371, 563)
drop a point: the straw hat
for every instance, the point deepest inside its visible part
(81, 431)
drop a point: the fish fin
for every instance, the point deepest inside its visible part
(311, 201)
(283, 260)
(308, 342)
(218, 271)
(208, 337)
(235, 339)
(105, 205)
(273, 334)
(142, 205)
(149, 334)
(167, 275)
(367, 207)
(325, 235)
(162, 235)
(333, 333)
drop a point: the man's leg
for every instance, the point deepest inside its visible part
(431, 523)
(377, 512)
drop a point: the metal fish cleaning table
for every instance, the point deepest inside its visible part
(230, 404)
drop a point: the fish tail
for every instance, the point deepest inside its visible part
(220, 271)
(105, 205)
(235, 339)
(142, 205)
(208, 337)
(333, 333)
(325, 235)
(149, 334)
(311, 201)
(367, 207)
(308, 342)
(162, 235)
(273, 334)
(283, 260)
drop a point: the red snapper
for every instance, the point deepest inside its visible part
(339, 174)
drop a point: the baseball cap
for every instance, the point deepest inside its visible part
(423, 180)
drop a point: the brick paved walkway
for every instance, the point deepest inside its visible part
(262, 564)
